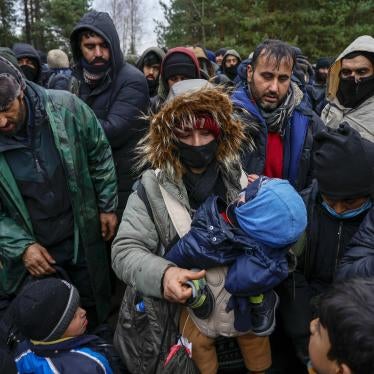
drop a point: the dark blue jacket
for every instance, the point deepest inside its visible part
(59, 79)
(358, 259)
(118, 102)
(297, 140)
(211, 242)
(77, 355)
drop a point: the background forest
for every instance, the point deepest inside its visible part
(319, 27)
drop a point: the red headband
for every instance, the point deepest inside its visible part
(208, 123)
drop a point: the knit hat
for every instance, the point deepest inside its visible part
(343, 163)
(57, 59)
(324, 62)
(221, 52)
(11, 83)
(179, 63)
(45, 308)
(208, 123)
(273, 213)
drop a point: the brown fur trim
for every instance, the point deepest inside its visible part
(158, 148)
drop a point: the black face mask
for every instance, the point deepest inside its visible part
(351, 93)
(231, 71)
(29, 72)
(197, 156)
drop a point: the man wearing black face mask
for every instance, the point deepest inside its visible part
(350, 88)
(115, 90)
(317, 89)
(29, 61)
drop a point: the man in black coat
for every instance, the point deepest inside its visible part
(338, 203)
(116, 91)
(29, 61)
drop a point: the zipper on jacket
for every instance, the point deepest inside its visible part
(338, 247)
(37, 163)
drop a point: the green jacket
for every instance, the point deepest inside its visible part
(89, 168)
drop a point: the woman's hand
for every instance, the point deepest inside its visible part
(175, 288)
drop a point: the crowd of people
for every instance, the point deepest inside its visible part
(194, 212)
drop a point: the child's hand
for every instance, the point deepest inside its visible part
(252, 177)
(175, 289)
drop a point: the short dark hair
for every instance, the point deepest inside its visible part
(86, 33)
(274, 49)
(346, 311)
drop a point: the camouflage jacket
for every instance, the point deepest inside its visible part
(90, 174)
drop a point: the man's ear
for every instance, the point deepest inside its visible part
(249, 73)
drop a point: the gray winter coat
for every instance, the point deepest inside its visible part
(137, 260)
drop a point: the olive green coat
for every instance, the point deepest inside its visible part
(90, 174)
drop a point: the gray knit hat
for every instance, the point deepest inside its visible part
(45, 308)
(57, 59)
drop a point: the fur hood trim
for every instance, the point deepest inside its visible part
(158, 149)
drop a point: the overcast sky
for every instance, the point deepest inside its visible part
(152, 11)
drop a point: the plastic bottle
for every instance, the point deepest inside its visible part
(140, 307)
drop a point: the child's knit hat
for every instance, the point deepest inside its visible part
(273, 213)
(45, 308)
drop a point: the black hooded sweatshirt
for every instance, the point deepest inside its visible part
(118, 101)
(27, 50)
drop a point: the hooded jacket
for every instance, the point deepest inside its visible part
(27, 50)
(253, 267)
(230, 52)
(118, 101)
(358, 259)
(297, 141)
(139, 247)
(163, 87)
(140, 63)
(86, 158)
(360, 118)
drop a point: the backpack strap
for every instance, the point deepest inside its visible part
(178, 213)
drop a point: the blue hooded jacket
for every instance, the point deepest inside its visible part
(211, 242)
(297, 140)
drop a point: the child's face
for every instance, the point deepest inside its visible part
(319, 346)
(77, 325)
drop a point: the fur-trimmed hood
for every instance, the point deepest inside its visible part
(187, 100)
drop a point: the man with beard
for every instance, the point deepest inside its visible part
(116, 91)
(275, 112)
(58, 191)
(29, 61)
(230, 63)
(317, 89)
(350, 88)
(149, 63)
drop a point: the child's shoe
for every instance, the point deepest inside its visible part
(263, 313)
(202, 300)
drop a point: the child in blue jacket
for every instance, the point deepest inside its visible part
(48, 315)
(252, 236)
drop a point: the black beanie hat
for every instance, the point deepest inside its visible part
(323, 62)
(11, 83)
(343, 163)
(45, 308)
(179, 63)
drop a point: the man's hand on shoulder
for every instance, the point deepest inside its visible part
(38, 261)
(108, 225)
(174, 282)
